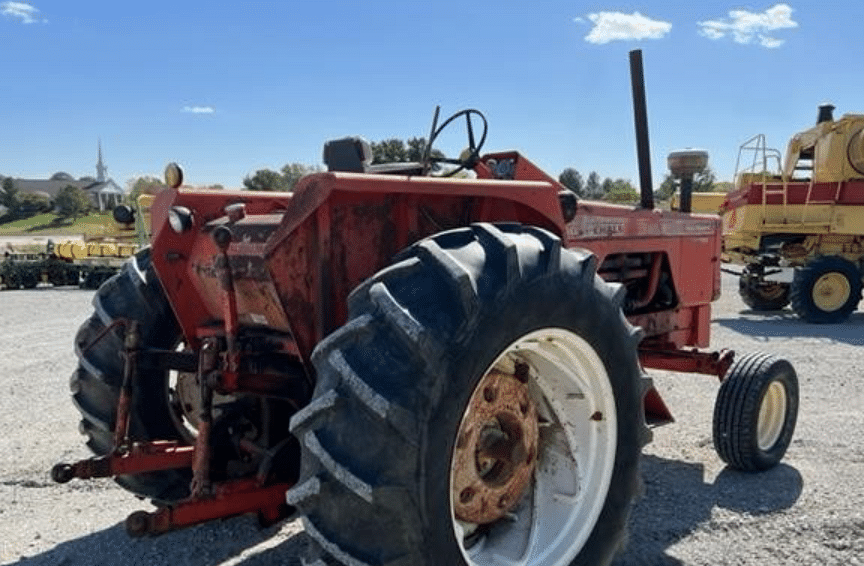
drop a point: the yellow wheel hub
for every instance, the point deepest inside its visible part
(831, 291)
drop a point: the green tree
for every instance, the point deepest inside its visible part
(10, 197)
(72, 202)
(416, 149)
(606, 186)
(145, 185)
(293, 172)
(264, 180)
(395, 150)
(703, 182)
(571, 179)
(620, 191)
(592, 186)
(389, 151)
(31, 204)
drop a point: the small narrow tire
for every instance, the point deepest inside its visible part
(755, 412)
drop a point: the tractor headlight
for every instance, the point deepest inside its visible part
(180, 218)
(173, 175)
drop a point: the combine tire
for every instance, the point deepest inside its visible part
(762, 295)
(134, 293)
(483, 404)
(12, 278)
(755, 412)
(29, 279)
(826, 290)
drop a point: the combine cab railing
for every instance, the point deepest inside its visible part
(764, 167)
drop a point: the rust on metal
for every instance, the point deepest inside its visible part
(688, 361)
(496, 448)
(138, 457)
(131, 345)
(229, 499)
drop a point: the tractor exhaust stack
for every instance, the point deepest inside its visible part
(640, 116)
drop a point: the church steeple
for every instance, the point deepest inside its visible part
(100, 166)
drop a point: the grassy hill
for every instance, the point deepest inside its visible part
(91, 226)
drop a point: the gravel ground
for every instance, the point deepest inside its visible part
(808, 510)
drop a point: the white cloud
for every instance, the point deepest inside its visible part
(615, 26)
(199, 109)
(746, 27)
(19, 10)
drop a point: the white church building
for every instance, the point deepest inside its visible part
(104, 193)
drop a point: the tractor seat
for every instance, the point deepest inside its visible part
(354, 155)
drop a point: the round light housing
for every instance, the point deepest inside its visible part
(123, 214)
(687, 162)
(180, 219)
(173, 175)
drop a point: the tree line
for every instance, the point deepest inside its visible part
(623, 191)
(396, 150)
(70, 202)
(391, 150)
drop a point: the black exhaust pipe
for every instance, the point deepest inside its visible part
(640, 116)
(826, 114)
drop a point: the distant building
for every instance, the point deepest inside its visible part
(104, 192)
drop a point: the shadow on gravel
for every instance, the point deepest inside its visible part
(786, 324)
(233, 542)
(677, 501)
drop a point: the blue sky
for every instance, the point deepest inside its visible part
(228, 88)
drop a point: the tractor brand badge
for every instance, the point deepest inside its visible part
(595, 227)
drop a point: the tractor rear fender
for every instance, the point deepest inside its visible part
(295, 257)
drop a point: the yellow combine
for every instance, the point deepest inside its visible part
(802, 217)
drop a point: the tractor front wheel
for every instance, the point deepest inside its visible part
(755, 412)
(826, 290)
(483, 404)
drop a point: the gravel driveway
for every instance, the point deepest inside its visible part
(694, 511)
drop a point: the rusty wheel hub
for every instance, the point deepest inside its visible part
(496, 448)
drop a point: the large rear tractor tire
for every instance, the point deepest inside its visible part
(132, 294)
(826, 291)
(482, 405)
(755, 412)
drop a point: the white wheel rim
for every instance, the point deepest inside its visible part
(772, 415)
(557, 512)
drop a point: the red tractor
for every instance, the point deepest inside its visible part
(429, 370)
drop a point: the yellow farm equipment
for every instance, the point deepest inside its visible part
(72, 262)
(796, 223)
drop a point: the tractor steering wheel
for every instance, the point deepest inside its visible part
(473, 150)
